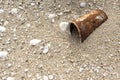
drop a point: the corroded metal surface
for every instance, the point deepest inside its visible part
(88, 23)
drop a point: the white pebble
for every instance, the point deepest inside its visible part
(41, 65)
(83, 4)
(94, 1)
(51, 77)
(118, 42)
(61, 13)
(1, 35)
(38, 77)
(32, 4)
(1, 10)
(45, 78)
(28, 25)
(3, 54)
(6, 22)
(63, 26)
(10, 78)
(15, 38)
(2, 29)
(9, 65)
(20, 7)
(81, 69)
(34, 42)
(51, 17)
(29, 76)
(26, 70)
(14, 10)
(46, 48)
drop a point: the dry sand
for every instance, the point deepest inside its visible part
(98, 58)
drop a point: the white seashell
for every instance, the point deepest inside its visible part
(3, 54)
(34, 42)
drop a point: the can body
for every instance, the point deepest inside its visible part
(88, 23)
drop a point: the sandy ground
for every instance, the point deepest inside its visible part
(98, 58)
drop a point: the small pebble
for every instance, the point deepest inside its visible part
(83, 4)
(1, 10)
(28, 25)
(6, 22)
(38, 77)
(118, 42)
(12, 73)
(10, 78)
(46, 48)
(29, 76)
(15, 38)
(34, 42)
(1, 35)
(9, 65)
(2, 29)
(63, 26)
(9, 50)
(60, 14)
(51, 17)
(45, 78)
(26, 70)
(94, 1)
(14, 11)
(3, 54)
(32, 4)
(41, 65)
(81, 69)
(51, 77)
(20, 7)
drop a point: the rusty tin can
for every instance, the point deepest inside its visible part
(86, 24)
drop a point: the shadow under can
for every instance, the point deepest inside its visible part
(85, 25)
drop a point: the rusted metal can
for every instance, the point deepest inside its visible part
(86, 24)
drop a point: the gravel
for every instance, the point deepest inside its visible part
(34, 42)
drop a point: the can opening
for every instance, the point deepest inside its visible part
(74, 31)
